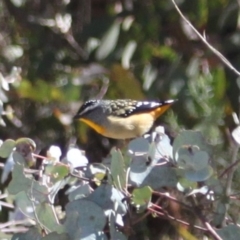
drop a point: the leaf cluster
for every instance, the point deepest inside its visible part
(110, 199)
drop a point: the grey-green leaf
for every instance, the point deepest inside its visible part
(189, 137)
(83, 215)
(106, 196)
(109, 41)
(198, 176)
(118, 171)
(46, 216)
(230, 232)
(142, 196)
(6, 148)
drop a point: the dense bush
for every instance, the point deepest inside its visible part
(57, 54)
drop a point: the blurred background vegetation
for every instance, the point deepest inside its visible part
(57, 54)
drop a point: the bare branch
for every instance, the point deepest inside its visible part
(203, 38)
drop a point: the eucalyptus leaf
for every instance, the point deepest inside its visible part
(230, 232)
(109, 41)
(56, 236)
(78, 192)
(114, 233)
(83, 214)
(118, 171)
(19, 181)
(24, 205)
(106, 196)
(46, 216)
(219, 213)
(57, 171)
(145, 173)
(192, 158)
(138, 146)
(189, 137)
(8, 167)
(128, 53)
(33, 233)
(7, 147)
(142, 196)
(163, 147)
(198, 176)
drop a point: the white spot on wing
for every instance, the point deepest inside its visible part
(170, 101)
(154, 104)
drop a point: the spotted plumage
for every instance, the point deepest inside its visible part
(121, 118)
(122, 107)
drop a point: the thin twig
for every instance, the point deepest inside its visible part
(205, 223)
(210, 229)
(229, 168)
(74, 44)
(167, 216)
(32, 199)
(14, 223)
(8, 205)
(233, 169)
(172, 199)
(104, 88)
(14, 230)
(203, 38)
(202, 218)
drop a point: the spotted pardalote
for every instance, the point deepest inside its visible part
(121, 118)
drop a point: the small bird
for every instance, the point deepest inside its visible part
(121, 118)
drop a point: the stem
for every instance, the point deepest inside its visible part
(232, 170)
(167, 216)
(203, 38)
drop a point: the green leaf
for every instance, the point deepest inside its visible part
(19, 181)
(109, 41)
(190, 157)
(219, 83)
(219, 213)
(106, 196)
(79, 192)
(55, 188)
(198, 176)
(145, 173)
(26, 141)
(138, 146)
(18, 158)
(25, 147)
(24, 204)
(97, 170)
(33, 233)
(6, 148)
(161, 149)
(191, 138)
(57, 171)
(114, 233)
(120, 78)
(47, 218)
(149, 76)
(128, 53)
(56, 236)
(142, 196)
(187, 184)
(118, 171)
(83, 218)
(230, 232)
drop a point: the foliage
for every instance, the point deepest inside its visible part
(57, 54)
(134, 180)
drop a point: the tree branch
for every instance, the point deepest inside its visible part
(203, 38)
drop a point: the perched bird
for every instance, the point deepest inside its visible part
(121, 118)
